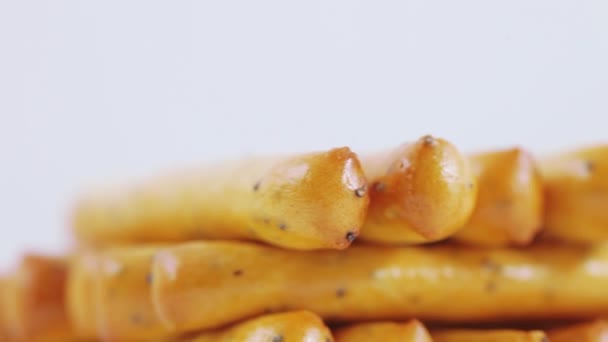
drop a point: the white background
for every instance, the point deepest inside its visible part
(94, 91)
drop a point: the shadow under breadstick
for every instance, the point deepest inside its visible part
(594, 331)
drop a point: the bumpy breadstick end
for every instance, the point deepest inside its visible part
(296, 326)
(33, 300)
(576, 189)
(509, 207)
(311, 201)
(420, 192)
(412, 331)
(80, 299)
(122, 296)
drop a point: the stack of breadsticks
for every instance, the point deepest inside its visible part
(420, 243)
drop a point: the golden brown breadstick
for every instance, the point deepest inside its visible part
(420, 192)
(80, 302)
(208, 284)
(33, 300)
(123, 304)
(509, 208)
(295, 326)
(494, 335)
(595, 331)
(312, 201)
(576, 190)
(412, 331)
(3, 326)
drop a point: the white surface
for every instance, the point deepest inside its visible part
(98, 90)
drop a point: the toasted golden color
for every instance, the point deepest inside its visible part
(420, 192)
(3, 324)
(209, 284)
(33, 300)
(122, 296)
(595, 331)
(296, 326)
(471, 335)
(412, 331)
(576, 190)
(80, 300)
(509, 208)
(312, 201)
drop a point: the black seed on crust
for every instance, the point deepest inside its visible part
(428, 140)
(350, 236)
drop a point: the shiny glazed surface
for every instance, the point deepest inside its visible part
(412, 331)
(509, 208)
(312, 201)
(209, 284)
(296, 326)
(420, 192)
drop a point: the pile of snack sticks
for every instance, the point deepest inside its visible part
(416, 243)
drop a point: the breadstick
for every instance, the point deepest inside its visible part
(595, 331)
(33, 300)
(124, 308)
(412, 331)
(203, 285)
(509, 207)
(420, 192)
(495, 335)
(80, 302)
(3, 326)
(576, 189)
(302, 326)
(311, 201)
